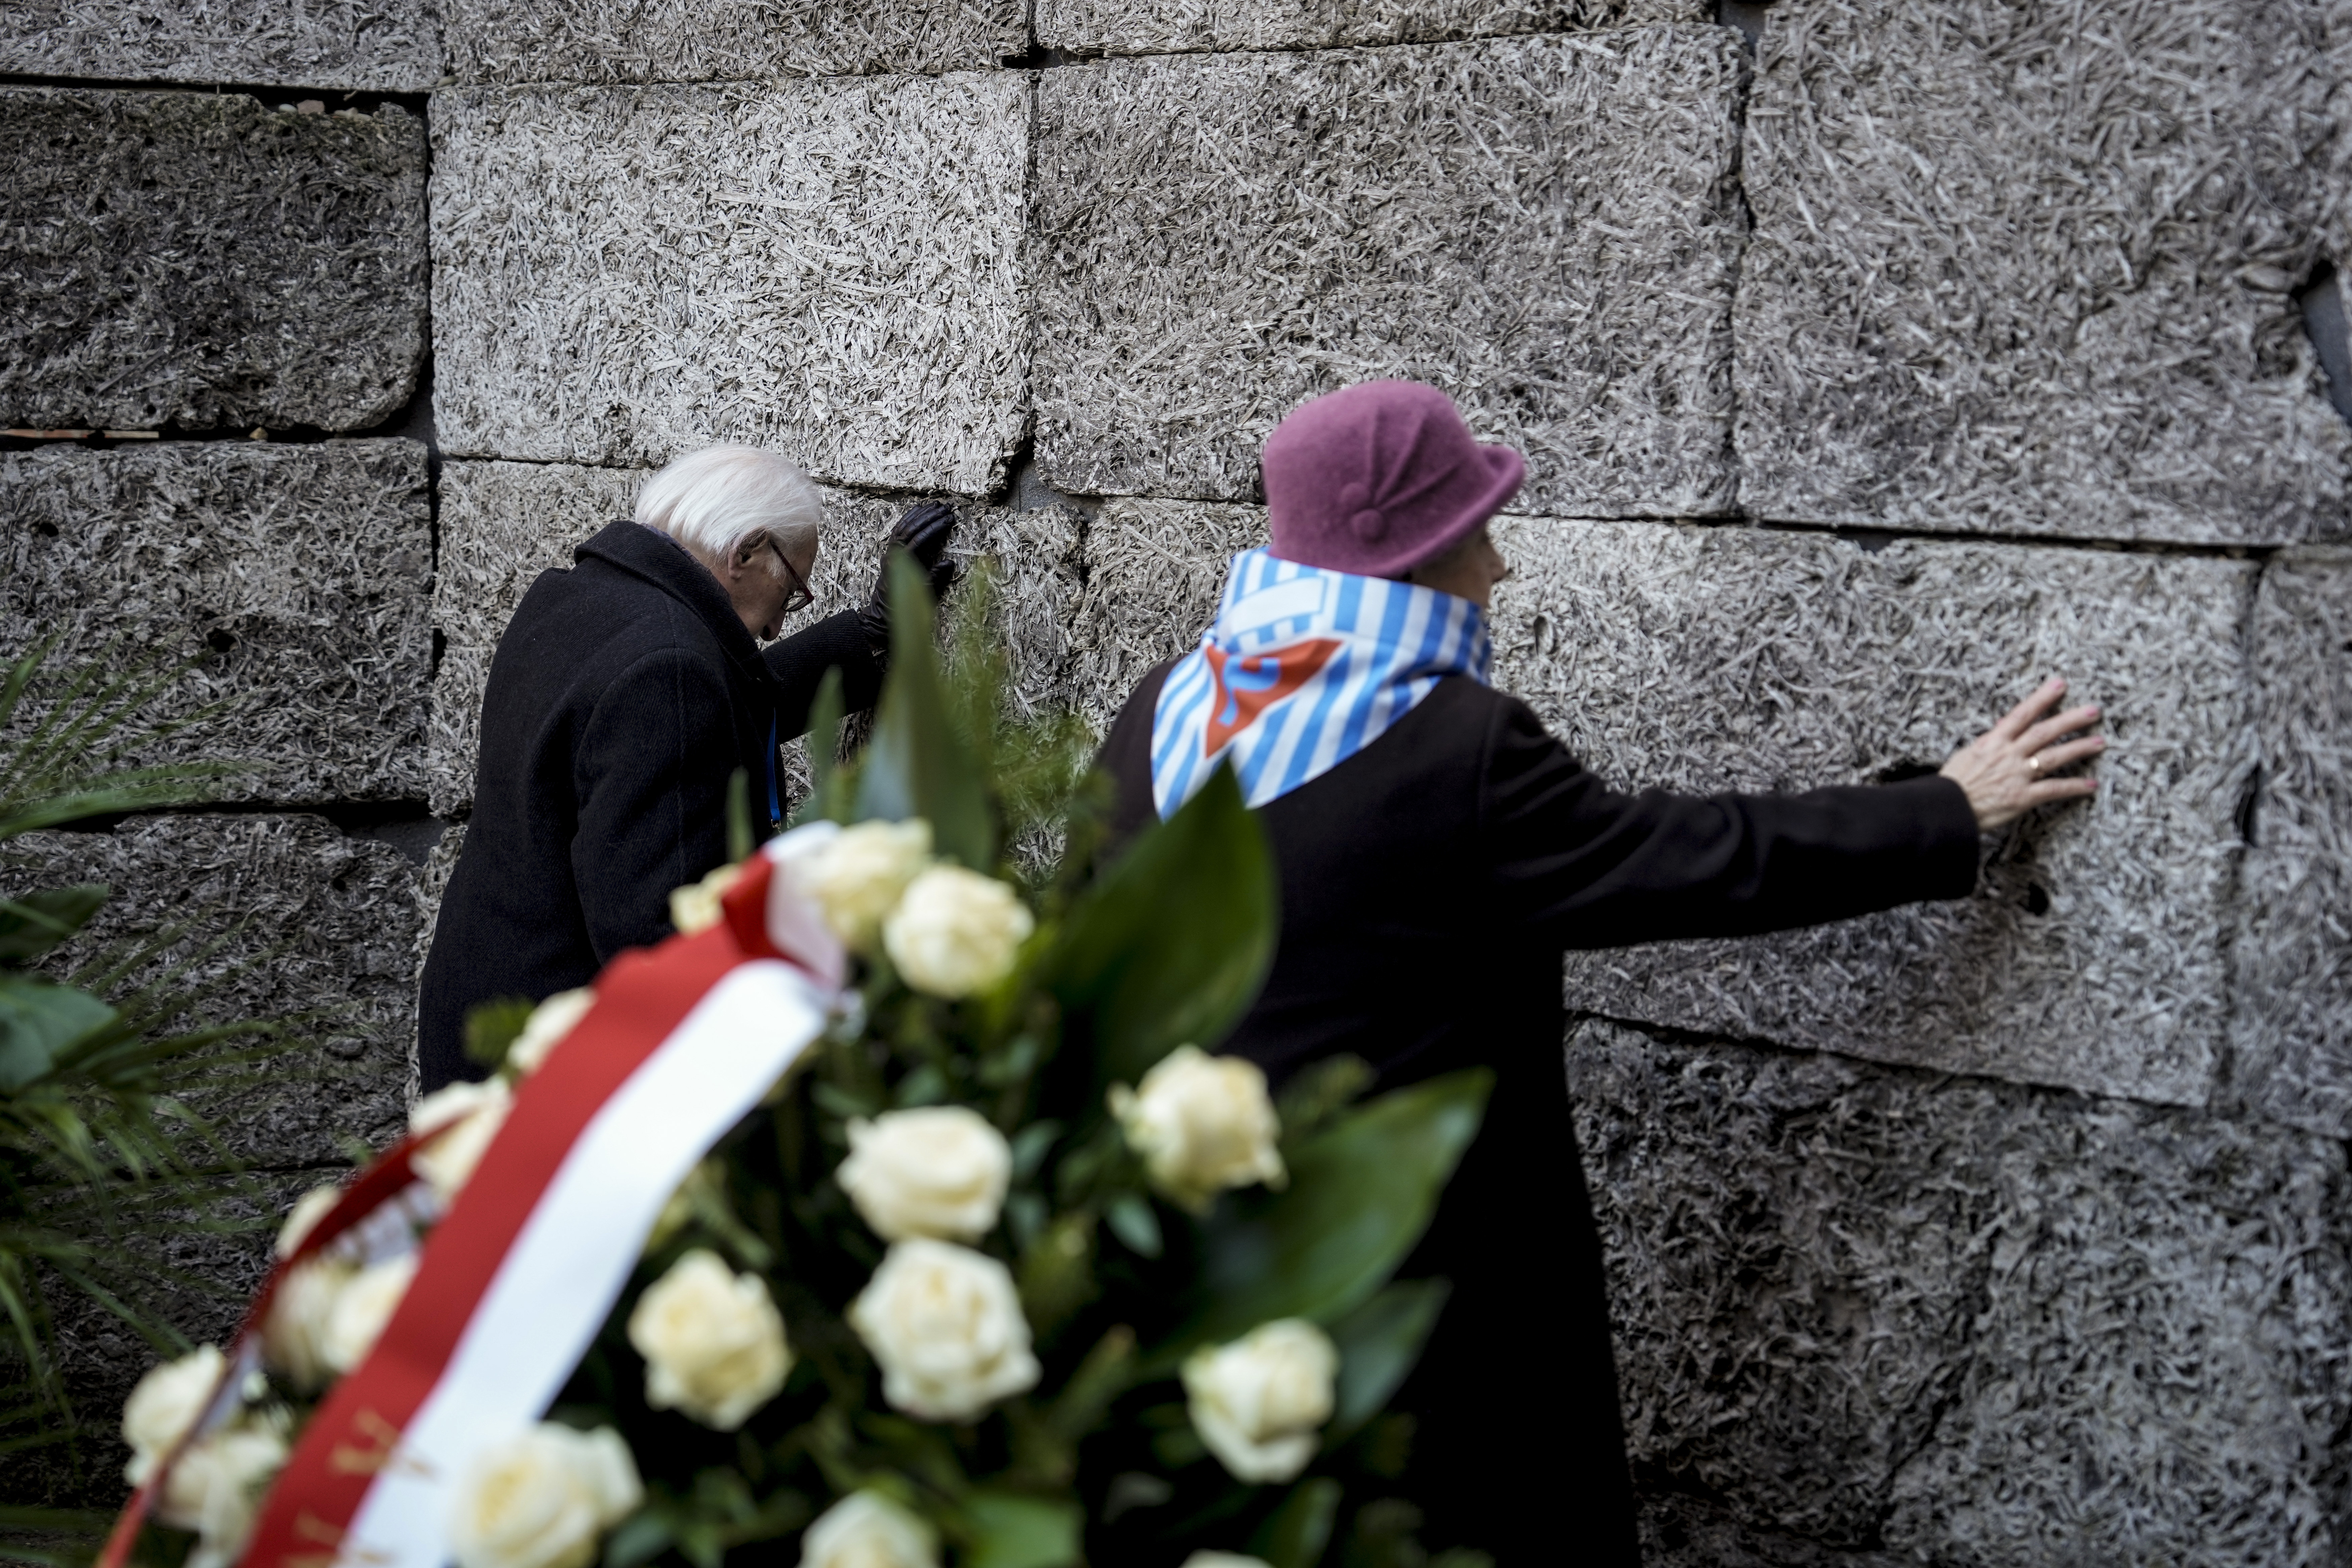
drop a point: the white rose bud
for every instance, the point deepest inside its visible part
(308, 1211)
(866, 1530)
(217, 1488)
(165, 1405)
(481, 1110)
(945, 1323)
(856, 877)
(361, 1310)
(955, 931)
(294, 1335)
(938, 1171)
(545, 1028)
(713, 1341)
(1259, 1402)
(543, 1498)
(1201, 1123)
(694, 909)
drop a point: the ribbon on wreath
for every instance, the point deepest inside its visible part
(513, 1283)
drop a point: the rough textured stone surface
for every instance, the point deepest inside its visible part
(204, 259)
(432, 883)
(307, 922)
(357, 44)
(205, 1269)
(2018, 268)
(731, 40)
(1170, 26)
(1154, 569)
(297, 576)
(1548, 227)
(833, 269)
(1969, 1323)
(1711, 658)
(504, 523)
(1680, 1532)
(2292, 1024)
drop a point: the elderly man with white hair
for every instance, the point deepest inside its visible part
(626, 692)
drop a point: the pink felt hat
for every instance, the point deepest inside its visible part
(1376, 478)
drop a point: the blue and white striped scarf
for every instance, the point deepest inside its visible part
(1304, 668)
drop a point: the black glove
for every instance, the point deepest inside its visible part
(923, 534)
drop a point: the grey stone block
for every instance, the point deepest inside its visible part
(354, 44)
(732, 40)
(833, 269)
(203, 1267)
(1171, 26)
(1964, 1322)
(504, 523)
(203, 260)
(432, 885)
(1714, 659)
(2015, 275)
(2291, 1025)
(1154, 571)
(1682, 1532)
(1548, 227)
(304, 924)
(297, 576)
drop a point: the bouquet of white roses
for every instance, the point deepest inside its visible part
(967, 1246)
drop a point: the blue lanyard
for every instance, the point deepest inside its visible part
(775, 797)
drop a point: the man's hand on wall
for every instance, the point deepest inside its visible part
(2007, 771)
(923, 534)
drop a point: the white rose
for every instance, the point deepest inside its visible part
(480, 1109)
(955, 931)
(1224, 1560)
(1201, 1123)
(294, 1335)
(940, 1171)
(361, 1309)
(945, 1323)
(543, 1498)
(545, 1028)
(304, 1216)
(216, 1487)
(165, 1405)
(866, 1530)
(694, 907)
(1259, 1402)
(713, 1341)
(856, 877)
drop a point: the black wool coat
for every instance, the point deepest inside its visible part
(1429, 884)
(624, 695)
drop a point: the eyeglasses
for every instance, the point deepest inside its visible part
(802, 596)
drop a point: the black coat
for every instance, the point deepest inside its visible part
(624, 695)
(1429, 884)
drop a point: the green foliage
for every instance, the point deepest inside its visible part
(1009, 1531)
(493, 1026)
(1360, 1196)
(1295, 1535)
(917, 763)
(1172, 942)
(99, 1160)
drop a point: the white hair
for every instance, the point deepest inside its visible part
(711, 501)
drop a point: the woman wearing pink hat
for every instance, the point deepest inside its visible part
(1438, 850)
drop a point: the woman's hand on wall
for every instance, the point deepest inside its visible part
(2007, 771)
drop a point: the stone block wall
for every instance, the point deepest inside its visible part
(1870, 363)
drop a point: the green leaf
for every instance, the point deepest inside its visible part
(38, 1020)
(916, 764)
(641, 1537)
(1360, 1196)
(1172, 945)
(1379, 1343)
(741, 840)
(36, 923)
(1009, 1531)
(825, 747)
(492, 1026)
(1296, 1534)
(1132, 1220)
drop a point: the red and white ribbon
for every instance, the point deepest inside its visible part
(682, 1041)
